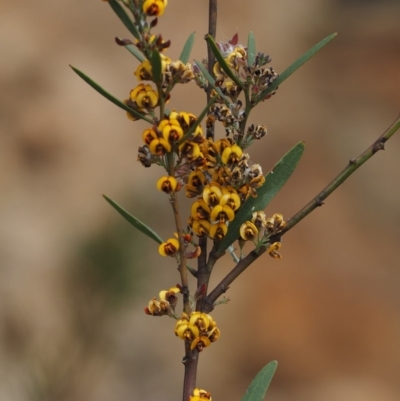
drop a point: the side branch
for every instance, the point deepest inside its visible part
(353, 165)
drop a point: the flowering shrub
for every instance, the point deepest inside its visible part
(229, 190)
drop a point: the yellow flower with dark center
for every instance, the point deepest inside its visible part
(212, 193)
(157, 308)
(186, 119)
(186, 331)
(209, 150)
(222, 144)
(237, 58)
(259, 220)
(197, 179)
(200, 210)
(167, 184)
(214, 334)
(133, 106)
(231, 89)
(231, 199)
(190, 150)
(144, 96)
(199, 328)
(184, 319)
(149, 135)
(200, 395)
(170, 296)
(273, 250)
(218, 231)
(154, 8)
(201, 227)
(231, 154)
(248, 231)
(192, 191)
(201, 320)
(224, 175)
(143, 72)
(200, 343)
(257, 182)
(159, 147)
(218, 71)
(222, 214)
(169, 248)
(171, 130)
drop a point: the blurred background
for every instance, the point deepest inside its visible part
(75, 277)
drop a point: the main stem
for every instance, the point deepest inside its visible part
(192, 357)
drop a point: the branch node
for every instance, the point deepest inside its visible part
(185, 291)
(225, 288)
(352, 161)
(187, 359)
(379, 145)
(319, 201)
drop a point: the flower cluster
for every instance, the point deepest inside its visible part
(217, 174)
(200, 395)
(260, 229)
(198, 328)
(166, 304)
(253, 79)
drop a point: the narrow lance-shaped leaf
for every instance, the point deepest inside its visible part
(108, 96)
(222, 62)
(296, 65)
(187, 49)
(156, 67)
(211, 80)
(134, 221)
(134, 50)
(124, 17)
(259, 386)
(251, 49)
(128, 44)
(274, 181)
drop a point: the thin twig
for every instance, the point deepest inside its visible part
(182, 256)
(212, 31)
(353, 165)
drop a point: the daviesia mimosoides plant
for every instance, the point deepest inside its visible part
(229, 190)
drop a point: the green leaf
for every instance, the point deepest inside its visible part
(296, 65)
(187, 49)
(259, 386)
(251, 49)
(211, 80)
(123, 16)
(108, 96)
(274, 181)
(156, 67)
(222, 61)
(128, 44)
(134, 221)
(134, 50)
